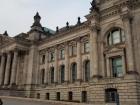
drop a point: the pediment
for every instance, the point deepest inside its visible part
(113, 49)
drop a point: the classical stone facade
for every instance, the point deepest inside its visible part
(96, 61)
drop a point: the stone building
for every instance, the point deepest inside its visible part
(96, 61)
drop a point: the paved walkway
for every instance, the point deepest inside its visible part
(11, 101)
(28, 101)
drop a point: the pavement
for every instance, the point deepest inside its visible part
(31, 101)
(16, 101)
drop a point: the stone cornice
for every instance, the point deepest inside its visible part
(116, 8)
(72, 30)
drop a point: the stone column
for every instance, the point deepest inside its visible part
(79, 63)
(56, 66)
(124, 64)
(46, 68)
(14, 68)
(7, 70)
(66, 62)
(126, 17)
(94, 52)
(108, 67)
(3, 61)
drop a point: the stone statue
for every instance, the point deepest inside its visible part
(93, 6)
(1, 103)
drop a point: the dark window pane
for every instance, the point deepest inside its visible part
(117, 67)
(62, 74)
(52, 75)
(111, 95)
(87, 70)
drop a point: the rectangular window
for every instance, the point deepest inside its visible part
(70, 96)
(62, 54)
(117, 67)
(38, 95)
(86, 47)
(47, 96)
(51, 56)
(72, 50)
(84, 96)
(58, 96)
(43, 59)
(111, 95)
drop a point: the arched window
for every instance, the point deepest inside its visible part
(52, 74)
(74, 72)
(42, 76)
(62, 73)
(87, 70)
(116, 36)
(111, 95)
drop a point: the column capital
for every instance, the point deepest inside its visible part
(95, 27)
(78, 39)
(16, 49)
(9, 52)
(126, 14)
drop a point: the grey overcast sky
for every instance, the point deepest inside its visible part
(16, 16)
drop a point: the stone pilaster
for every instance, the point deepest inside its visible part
(79, 63)
(46, 68)
(56, 66)
(32, 67)
(66, 62)
(7, 70)
(108, 67)
(3, 61)
(127, 19)
(14, 68)
(94, 52)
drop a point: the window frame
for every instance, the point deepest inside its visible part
(52, 75)
(74, 72)
(110, 40)
(72, 50)
(86, 49)
(115, 67)
(62, 77)
(51, 56)
(62, 54)
(42, 76)
(111, 95)
(87, 70)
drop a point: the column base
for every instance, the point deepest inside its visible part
(132, 72)
(78, 81)
(66, 82)
(132, 75)
(97, 76)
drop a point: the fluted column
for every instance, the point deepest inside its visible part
(56, 66)
(7, 70)
(3, 61)
(127, 19)
(94, 52)
(79, 66)
(14, 68)
(66, 62)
